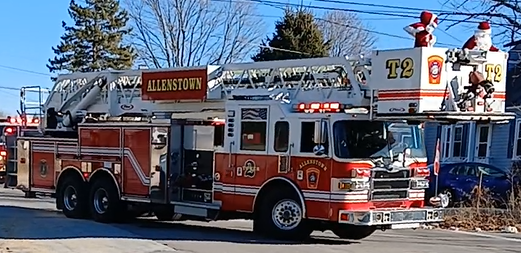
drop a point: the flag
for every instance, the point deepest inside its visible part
(254, 114)
(436, 169)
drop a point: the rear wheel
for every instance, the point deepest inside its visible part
(105, 205)
(164, 213)
(74, 197)
(281, 216)
(352, 232)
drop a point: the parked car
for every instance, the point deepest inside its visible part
(458, 180)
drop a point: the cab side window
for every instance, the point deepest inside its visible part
(281, 143)
(253, 129)
(218, 135)
(307, 135)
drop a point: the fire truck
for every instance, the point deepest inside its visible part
(11, 128)
(294, 145)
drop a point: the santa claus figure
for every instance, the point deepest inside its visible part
(482, 39)
(422, 31)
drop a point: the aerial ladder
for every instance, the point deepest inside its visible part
(435, 81)
(77, 97)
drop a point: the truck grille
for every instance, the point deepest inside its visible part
(390, 185)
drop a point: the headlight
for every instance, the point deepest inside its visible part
(354, 185)
(420, 183)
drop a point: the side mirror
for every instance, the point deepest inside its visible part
(406, 153)
(320, 135)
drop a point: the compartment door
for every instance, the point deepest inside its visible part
(159, 161)
(175, 160)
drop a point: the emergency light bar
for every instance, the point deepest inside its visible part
(33, 121)
(320, 107)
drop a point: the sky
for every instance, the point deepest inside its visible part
(30, 28)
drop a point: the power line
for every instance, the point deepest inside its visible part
(368, 12)
(24, 70)
(394, 14)
(269, 3)
(379, 5)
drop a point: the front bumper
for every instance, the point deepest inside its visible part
(397, 218)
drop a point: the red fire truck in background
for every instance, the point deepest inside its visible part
(10, 128)
(4, 123)
(295, 145)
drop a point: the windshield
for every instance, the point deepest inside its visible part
(364, 139)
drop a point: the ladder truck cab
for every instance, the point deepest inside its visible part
(295, 145)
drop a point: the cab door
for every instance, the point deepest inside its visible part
(311, 164)
(251, 158)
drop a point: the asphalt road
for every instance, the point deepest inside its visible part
(32, 225)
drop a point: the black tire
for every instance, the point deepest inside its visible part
(73, 197)
(104, 202)
(164, 213)
(352, 232)
(288, 203)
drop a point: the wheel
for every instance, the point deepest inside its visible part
(73, 196)
(105, 205)
(352, 232)
(450, 196)
(164, 213)
(281, 216)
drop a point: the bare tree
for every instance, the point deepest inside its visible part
(177, 33)
(504, 15)
(346, 33)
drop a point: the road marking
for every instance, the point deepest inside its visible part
(488, 236)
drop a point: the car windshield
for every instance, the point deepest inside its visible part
(364, 139)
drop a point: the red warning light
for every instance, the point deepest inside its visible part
(9, 130)
(320, 107)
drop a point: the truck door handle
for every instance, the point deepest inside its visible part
(230, 171)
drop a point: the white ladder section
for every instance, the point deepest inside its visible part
(118, 93)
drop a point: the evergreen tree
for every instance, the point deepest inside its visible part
(95, 41)
(296, 32)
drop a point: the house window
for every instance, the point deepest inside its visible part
(482, 141)
(454, 139)
(457, 145)
(446, 148)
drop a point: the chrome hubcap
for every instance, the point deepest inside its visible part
(70, 198)
(101, 201)
(449, 196)
(286, 214)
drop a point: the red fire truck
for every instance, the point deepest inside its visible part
(11, 128)
(295, 145)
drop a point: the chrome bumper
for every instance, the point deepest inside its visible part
(395, 218)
